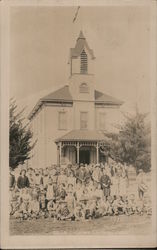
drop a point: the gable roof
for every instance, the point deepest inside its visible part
(80, 44)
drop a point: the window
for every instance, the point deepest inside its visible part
(83, 120)
(102, 121)
(84, 63)
(62, 120)
(84, 88)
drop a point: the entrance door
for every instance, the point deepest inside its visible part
(84, 156)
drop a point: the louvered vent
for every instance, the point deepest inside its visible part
(84, 63)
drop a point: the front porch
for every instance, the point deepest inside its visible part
(81, 147)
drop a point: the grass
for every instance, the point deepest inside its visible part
(134, 224)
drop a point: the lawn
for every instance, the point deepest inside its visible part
(134, 224)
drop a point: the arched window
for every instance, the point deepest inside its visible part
(84, 88)
(84, 63)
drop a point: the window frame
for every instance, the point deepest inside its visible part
(83, 62)
(59, 120)
(83, 88)
(102, 126)
(84, 127)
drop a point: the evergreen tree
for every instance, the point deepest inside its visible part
(132, 145)
(20, 137)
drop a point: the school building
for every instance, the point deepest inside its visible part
(69, 124)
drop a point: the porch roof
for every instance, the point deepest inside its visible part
(83, 135)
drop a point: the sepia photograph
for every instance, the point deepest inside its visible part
(80, 106)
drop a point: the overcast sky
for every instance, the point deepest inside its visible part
(40, 39)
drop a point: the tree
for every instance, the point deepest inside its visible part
(132, 145)
(20, 137)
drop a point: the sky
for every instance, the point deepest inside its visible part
(40, 39)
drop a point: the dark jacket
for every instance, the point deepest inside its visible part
(11, 181)
(22, 182)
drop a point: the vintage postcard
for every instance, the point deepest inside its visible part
(78, 124)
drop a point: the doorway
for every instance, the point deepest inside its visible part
(84, 156)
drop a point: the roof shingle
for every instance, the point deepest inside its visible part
(83, 135)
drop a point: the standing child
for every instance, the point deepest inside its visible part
(42, 201)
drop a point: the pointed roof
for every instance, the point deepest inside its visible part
(81, 35)
(81, 43)
(100, 97)
(58, 95)
(83, 135)
(63, 95)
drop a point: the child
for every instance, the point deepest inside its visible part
(25, 200)
(147, 205)
(70, 197)
(45, 179)
(14, 201)
(132, 204)
(90, 209)
(34, 205)
(139, 206)
(114, 184)
(101, 208)
(42, 201)
(109, 208)
(60, 193)
(63, 212)
(79, 211)
(62, 178)
(52, 208)
(79, 190)
(50, 194)
(99, 192)
(71, 179)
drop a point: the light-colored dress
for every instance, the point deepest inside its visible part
(115, 185)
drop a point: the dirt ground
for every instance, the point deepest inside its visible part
(134, 224)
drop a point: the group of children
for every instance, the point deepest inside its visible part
(72, 193)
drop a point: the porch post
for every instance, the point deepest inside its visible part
(60, 153)
(78, 147)
(97, 153)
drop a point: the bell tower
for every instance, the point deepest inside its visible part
(81, 80)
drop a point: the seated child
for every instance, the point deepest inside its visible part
(132, 203)
(139, 207)
(101, 208)
(52, 208)
(63, 212)
(90, 208)
(79, 211)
